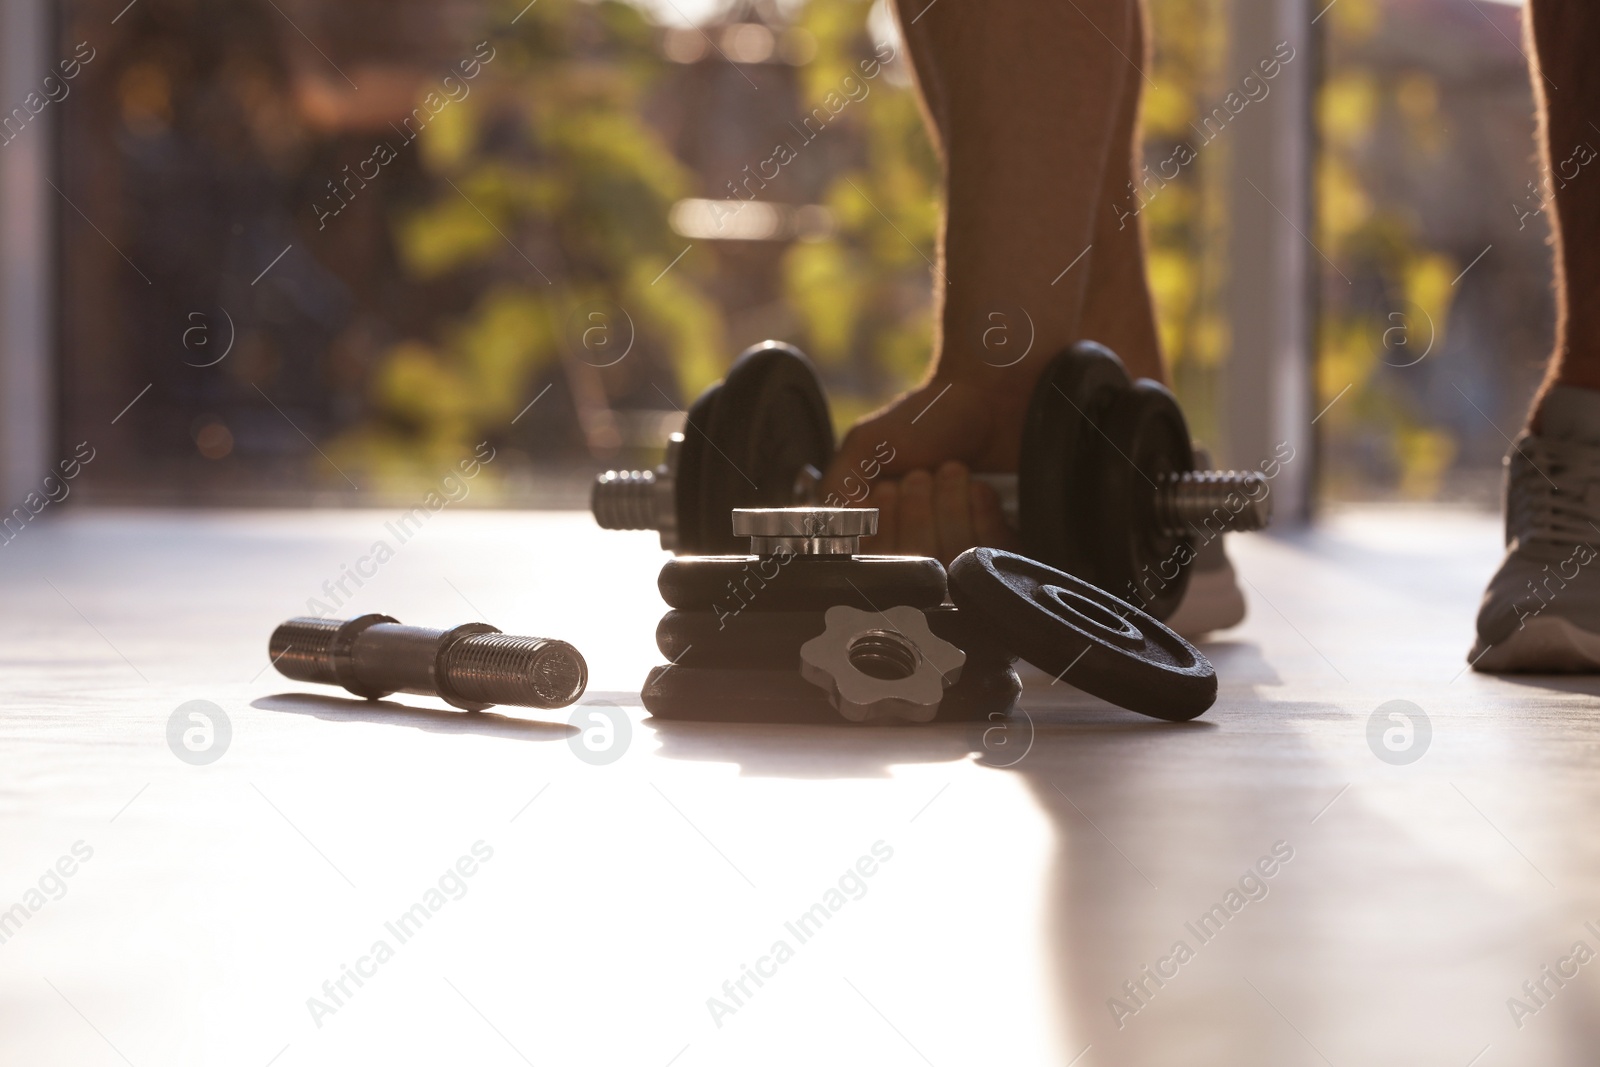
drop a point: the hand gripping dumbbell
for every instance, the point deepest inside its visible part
(1107, 490)
(806, 630)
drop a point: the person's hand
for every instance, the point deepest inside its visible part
(912, 460)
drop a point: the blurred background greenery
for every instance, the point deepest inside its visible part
(580, 200)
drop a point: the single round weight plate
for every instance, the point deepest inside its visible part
(1134, 559)
(1084, 635)
(731, 585)
(1063, 448)
(686, 493)
(706, 695)
(770, 422)
(771, 640)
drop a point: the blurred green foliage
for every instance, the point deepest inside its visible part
(553, 194)
(863, 294)
(1386, 296)
(1185, 226)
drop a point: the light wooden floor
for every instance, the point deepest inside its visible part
(619, 898)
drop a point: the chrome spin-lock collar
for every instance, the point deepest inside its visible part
(805, 531)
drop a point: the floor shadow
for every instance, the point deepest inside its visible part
(1133, 803)
(616, 698)
(434, 720)
(1050, 716)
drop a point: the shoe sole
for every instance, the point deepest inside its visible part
(1546, 645)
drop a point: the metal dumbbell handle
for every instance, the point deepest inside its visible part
(1185, 504)
(473, 666)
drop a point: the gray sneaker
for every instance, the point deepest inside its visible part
(1541, 612)
(1213, 600)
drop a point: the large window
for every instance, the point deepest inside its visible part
(325, 248)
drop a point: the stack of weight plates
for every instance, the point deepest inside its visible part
(733, 637)
(737, 624)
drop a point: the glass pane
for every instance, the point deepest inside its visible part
(1436, 302)
(330, 249)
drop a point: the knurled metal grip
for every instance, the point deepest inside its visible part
(473, 666)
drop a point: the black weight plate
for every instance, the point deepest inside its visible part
(1062, 451)
(771, 640)
(1073, 630)
(705, 695)
(734, 584)
(770, 421)
(686, 490)
(1135, 560)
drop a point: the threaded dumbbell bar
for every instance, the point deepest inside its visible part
(473, 666)
(1187, 503)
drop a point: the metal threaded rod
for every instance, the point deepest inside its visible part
(529, 672)
(472, 666)
(641, 500)
(1216, 501)
(299, 649)
(625, 500)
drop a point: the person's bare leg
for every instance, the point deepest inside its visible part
(1025, 100)
(1117, 308)
(1032, 107)
(1566, 82)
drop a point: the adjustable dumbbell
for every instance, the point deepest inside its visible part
(1107, 490)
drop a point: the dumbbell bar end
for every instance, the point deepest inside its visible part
(640, 500)
(1196, 501)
